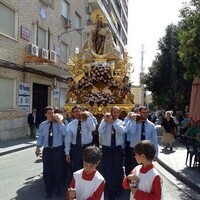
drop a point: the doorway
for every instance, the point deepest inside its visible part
(40, 100)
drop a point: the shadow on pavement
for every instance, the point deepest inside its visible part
(38, 160)
(33, 189)
(167, 151)
(14, 142)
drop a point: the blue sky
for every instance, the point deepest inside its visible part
(148, 20)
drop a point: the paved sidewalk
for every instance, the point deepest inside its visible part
(14, 145)
(174, 162)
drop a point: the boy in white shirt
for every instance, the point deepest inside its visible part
(88, 183)
(144, 180)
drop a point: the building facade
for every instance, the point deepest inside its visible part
(37, 37)
(116, 12)
(141, 96)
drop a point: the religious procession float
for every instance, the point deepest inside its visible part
(99, 75)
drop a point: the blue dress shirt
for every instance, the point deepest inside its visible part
(59, 130)
(128, 134)
(86, 132)
(135, 131)
(105, 131)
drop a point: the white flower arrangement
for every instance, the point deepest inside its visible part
(100, 98)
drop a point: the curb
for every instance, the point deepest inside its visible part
(17, 149)
(180, 177)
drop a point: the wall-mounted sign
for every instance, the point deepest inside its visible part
(24, 89)
(43, 14)
(24, 100)
(24, 108)
(56, 94)
(25, 33)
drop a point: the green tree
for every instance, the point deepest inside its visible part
(165, 77)
(189, 36)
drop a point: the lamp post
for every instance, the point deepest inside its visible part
(74, 29)
(68, 31)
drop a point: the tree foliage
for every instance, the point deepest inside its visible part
(165, 77)
(178, 62)
(189, 36)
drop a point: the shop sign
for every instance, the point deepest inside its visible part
(24, 100)
(25, 33)
(24, 89)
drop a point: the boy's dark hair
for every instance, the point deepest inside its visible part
(77, 106)
(147, 148)
(58, 110)
(115, 107)
(48, 108)
(142, 108)
(92, 155)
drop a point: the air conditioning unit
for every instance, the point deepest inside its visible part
(52, 56)
(89, 10)
(32, 49)
(44, 53)
(68, 22)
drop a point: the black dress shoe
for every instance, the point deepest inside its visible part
(58, 192)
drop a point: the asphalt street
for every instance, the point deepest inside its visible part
(21, 179)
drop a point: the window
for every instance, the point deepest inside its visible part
(65, 9)
(77, 22)
(8, 21)
(63, 52)
(63, 94)
(7, 88)
(42, 36)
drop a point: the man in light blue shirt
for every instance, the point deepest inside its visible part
(141, 128)
(50, 137)
(111, 131)
(74, 146)
(128, 151)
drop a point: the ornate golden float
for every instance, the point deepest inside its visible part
(99, 75)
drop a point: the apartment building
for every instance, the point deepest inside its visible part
(37, 37)
(116, 12)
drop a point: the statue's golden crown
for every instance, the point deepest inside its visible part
(96, 15)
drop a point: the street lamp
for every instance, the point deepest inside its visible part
(74, 29)
(68, 31)
(55, 84)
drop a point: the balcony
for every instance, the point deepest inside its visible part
(44, 63)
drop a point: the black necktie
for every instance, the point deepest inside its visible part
(78, 135)
(113, 139)
(50, 141)
(143, 131)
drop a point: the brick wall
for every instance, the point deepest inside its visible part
(13, 122)
(28, 14)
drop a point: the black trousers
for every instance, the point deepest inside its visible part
(52, 168)
(33, 130)
(130, 161)
(76, 155)
(66, 170)
(112, 164)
